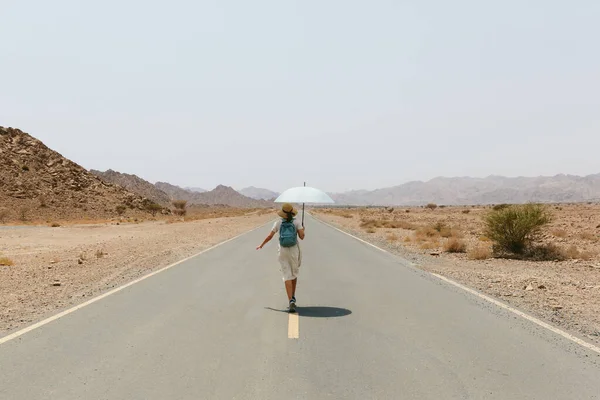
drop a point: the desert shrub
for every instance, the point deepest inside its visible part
(371, 230)
(479, 252)
(559, 233)
(572, 252)
(389, 209)
(347, 215)
(439, 226)
(99, 253)
(499, 207)
(515, 228)
(180, 207)
(431, 206)
(54, 225)
(466, 211)
(454, 245)
(588, 236)
(25, 168)
(430, 245)
(23, 213)
(120, 209)
(392, 237)
(153, 208)
(6, 262)
(375, 223)
(425, 233)
(43, 203)
(545, 252)
(4, 213)
(407, 211)
(407, 239)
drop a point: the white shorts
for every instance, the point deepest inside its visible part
(290, 259)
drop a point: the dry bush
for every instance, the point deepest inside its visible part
(479, 252)
(347, 215)
(499, 207)
(120, 209)
(6, 262)
(180, 207)
(545, 252)
(431, 206)
(430, 245)
(43, 202)
(99, 253)
(426, 233)
(573, 253)
(514, 229)
(454, 245)
(587, 236)
(559, 233)
(54, 225)
(466, 211)
(153, 208)
(374, 223)
(392, 237)
(484, 239)
(23, 213)
(371, 230)
(4, 213)
(407, 239)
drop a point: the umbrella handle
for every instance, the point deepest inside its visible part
(303, 215)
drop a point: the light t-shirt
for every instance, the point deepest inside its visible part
(277, 225)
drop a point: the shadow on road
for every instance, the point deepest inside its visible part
(318, 312)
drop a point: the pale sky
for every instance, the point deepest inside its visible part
(345, 94)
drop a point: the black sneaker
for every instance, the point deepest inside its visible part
(292, 307)
(294, 299)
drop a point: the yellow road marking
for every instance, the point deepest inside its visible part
(294, 326)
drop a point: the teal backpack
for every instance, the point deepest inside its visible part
(288, 235)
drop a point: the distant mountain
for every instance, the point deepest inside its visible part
(490, 190)
(195, 189)
(134, 184)
(259, 193)
(221, 195)
(175, 192)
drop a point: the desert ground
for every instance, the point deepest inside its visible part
(564, 291)
(44, 269)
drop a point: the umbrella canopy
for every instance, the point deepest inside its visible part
(303, 194)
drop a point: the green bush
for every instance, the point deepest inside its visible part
(514, 229)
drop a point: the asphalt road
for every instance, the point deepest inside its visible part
(369, 327)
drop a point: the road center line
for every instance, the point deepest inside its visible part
(293, 326)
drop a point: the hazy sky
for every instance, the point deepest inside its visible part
(345, 94)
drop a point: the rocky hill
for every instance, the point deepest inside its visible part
(135, 184)
(37, 183)
(221, 195)
(490, 190)
(259, 193)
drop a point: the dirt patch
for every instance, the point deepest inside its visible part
(566, 293)
(54, 268)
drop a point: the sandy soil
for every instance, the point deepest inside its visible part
(565, 293)
(58, 267)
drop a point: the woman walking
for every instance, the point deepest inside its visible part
(290, 255)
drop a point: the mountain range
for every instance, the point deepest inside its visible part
(491, 190)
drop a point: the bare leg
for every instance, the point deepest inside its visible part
(289, 288)
(294, 282)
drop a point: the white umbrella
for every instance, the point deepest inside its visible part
(304, 194)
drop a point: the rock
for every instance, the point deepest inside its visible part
(541, 287)
(434, 253)
(79, 261)
(56, 283)
(557, 307)
(529, 288)
(495, 281)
